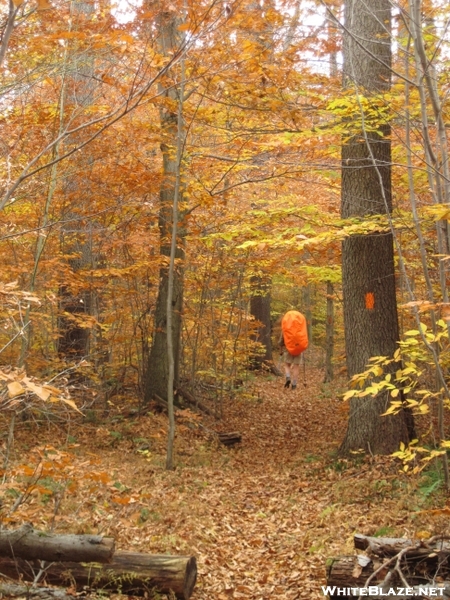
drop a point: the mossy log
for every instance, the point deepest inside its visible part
(129, 572)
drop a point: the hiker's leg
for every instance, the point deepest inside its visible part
(287, 372)
(295, 370)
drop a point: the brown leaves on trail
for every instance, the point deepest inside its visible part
(261, 517)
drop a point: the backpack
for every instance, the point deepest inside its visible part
(295, 332)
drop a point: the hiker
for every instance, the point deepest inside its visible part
(293, 342)
(291, 365)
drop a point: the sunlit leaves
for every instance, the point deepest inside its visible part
(24, 392)
(43, 4)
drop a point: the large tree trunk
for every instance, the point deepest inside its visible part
(260, 302)
(129, 572)
(75, 297)
(157, 371)
(368, 274)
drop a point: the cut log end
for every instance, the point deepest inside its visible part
(190, 577)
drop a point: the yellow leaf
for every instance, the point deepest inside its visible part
(423, 535)
(15, 389)
(394, 408)
(72, 404)
(37, 389)
(52, 389)
(18, 3)
(394, 393)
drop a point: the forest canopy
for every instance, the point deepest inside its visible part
(175, 176)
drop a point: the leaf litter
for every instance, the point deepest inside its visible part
(261, 517)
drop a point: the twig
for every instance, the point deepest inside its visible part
(10, 442)
(397, 558)
(22, 498)
(58, 499)
(19, 333)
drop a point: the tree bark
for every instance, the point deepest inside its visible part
(13, 590)
(260, 303)
(329, 334)
(157, 371)
(384, 546)
(30, 544)
(368, 273)
(76, 300)
(390, 563)
(345, 571)
(129, 572)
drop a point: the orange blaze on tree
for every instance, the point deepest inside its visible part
(370, 300)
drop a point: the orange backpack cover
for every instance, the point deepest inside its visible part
(295, 332)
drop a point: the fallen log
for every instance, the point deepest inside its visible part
(391, 562)
(230, 438)
(194, 402)
(384, 546)
(14, 590)
(347, 575)
(30, 544)
(129, 572)
(349, 571)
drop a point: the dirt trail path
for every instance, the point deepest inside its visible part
(261, 518)
(255, 515)
(275, 501)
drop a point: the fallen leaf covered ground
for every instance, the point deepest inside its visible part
(261, 517)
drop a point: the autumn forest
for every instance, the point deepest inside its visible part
(174, 177)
